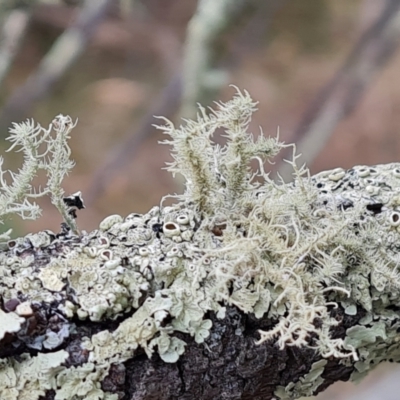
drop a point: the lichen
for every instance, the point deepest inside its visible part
(306, 386)
(294, 252)
(44, 150)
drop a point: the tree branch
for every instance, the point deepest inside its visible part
(13, 30)
(242, 289)
(65, 51)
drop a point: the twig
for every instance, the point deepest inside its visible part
(211, 19)
(66, 50)
(13, 31)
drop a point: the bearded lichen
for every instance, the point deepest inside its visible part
(44, 150)
(295, 252)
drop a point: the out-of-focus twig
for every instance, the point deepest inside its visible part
(12, 32)
(200, 76)
(65, 51)
(166, 104)
(342, 94)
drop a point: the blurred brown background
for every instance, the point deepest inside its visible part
(324, 71)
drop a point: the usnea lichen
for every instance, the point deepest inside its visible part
(294, 252)
(44, 150)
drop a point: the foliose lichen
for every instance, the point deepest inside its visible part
(295, 252)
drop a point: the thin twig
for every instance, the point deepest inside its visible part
(200, 75)
(65, 51)
(13, 31)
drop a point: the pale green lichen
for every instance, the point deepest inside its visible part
(292, 252)
(216, 177)
(30, 377)
(81, 382)
(44, 150)
(306, 386)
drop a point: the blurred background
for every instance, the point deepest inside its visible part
(324, 71)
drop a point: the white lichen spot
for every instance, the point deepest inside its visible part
(9, 323)
(110, 221)
(50, 279)
(337, 174)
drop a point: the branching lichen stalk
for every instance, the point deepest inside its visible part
(42, 151)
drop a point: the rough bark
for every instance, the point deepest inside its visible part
(229, 365)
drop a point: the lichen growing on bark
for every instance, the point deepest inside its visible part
(293, 252)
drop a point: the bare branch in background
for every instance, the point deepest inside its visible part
(65, 51)
(13, 30)
(340, 96)
(200, 76)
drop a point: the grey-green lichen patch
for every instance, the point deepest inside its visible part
(359, 336)
(293, 252)
(82, 382)
(306, 386)
(30, 377)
